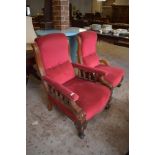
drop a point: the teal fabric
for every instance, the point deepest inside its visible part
(67, 32)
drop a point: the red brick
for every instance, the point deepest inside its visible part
(60, 14)
(56, 2)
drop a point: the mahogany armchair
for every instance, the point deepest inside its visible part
(112, 76)
(77, 96)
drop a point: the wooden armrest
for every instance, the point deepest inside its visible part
(92, 74)
(88, 69)
(104, 61)
(88, 73)
(61, 89)
(66, 96)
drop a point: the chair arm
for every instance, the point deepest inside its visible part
(68, 97)
(61, 89)
(104, 61)
(92, 74)
(88, 69)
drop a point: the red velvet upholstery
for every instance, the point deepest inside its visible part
(92, 101)
(63, 108)
(113, 74)
(88, 55)
(88, 48)
(60, 75)
(65, 91)
(91, 60)
(55, 58)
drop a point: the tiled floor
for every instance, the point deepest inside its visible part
(52, 133)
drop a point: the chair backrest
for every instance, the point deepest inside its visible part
(55, 57)
(87, 48)
(30, 33)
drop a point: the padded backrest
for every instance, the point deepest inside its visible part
(54, 55)
(88, 48)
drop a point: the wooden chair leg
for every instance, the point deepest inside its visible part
(119, 85)
(109, 102)
(108, 106)
(49, 106)
(80, 128)
(27, 78)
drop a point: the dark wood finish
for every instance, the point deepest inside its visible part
(42, 72)
(30, 62)
(88, 19)
(116, 40)
(47, 21)
(70, 12)
(47, 10)
(120, 14)
(120, 26)
(80, 128)
(44, 21)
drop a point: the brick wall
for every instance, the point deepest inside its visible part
(60, 14)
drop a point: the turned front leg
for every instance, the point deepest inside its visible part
(80, 128)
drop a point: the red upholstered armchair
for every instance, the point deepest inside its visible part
(87, 56)
(77, 96)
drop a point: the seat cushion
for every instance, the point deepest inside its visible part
(61, 73)
(113, 75)
(93, 97)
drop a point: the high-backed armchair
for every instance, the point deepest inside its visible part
(112, 76)
(77, 96)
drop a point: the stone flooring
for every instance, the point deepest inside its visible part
(52, 133)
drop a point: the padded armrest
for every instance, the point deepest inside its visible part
(62, 89)
(88, 69)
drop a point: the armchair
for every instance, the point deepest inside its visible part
(112, 76)
(67, 90)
